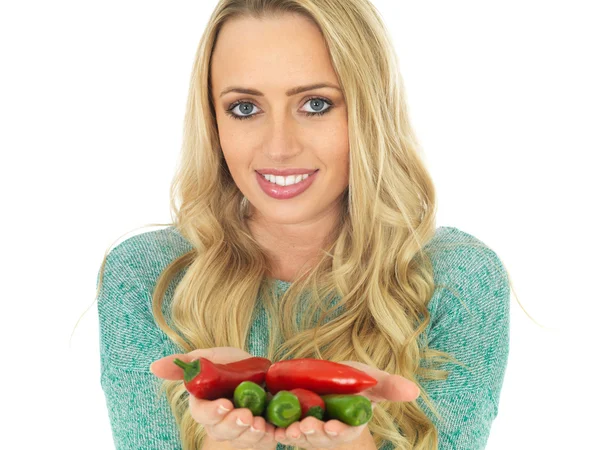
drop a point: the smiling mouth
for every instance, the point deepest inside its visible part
(296, 178)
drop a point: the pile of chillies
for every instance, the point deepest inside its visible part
(284, 392)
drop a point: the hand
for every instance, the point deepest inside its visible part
(388, 387)
(220, 427)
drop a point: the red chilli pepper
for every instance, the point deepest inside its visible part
(317, 375)
(312, 404)
(207, 380)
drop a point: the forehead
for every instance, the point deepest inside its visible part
(270, 53)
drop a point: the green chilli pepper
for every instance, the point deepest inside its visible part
(250, 395)
(269, 398)
(283, 409)
(353, 410)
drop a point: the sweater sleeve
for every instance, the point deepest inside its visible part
(130, 341)
(470, 320)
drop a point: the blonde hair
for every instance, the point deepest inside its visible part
(374, 262)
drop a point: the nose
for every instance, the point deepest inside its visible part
(281, 143)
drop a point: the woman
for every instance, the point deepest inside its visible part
(346, 265)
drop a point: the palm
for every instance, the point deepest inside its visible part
(389, 387)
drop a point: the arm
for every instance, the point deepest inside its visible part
(471, 322)
(138, 420)
(129, 343)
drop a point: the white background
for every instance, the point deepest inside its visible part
(505, 100)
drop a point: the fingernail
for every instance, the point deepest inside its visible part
(223, 410)
(240, 423)
(331, 433)
(309, 431)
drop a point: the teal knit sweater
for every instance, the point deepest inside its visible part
(468, 400)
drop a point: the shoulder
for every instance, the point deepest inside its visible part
(129, 336)
(472, 289)
(461, 259)
(470, 312)
(145, 255)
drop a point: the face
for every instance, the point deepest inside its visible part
(276, 130)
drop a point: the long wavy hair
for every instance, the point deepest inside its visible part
(374, 261)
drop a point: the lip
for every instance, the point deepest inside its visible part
(285, 172)
(285, 192)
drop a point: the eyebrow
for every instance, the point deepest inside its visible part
(289, 92)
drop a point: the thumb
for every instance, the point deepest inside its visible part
(389, 386)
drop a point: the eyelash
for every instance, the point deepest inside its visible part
(229, 110)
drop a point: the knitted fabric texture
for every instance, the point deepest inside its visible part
(474, 329)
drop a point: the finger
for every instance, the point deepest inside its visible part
(165, 368)
(397, 389)
(327, 434)
(388, 387)
(292, 435)
(252, 437)
(232, 426)
(314, 432)
(334, 433)
(209, 412)
(336, 429)
(266, 432)
(268, 438)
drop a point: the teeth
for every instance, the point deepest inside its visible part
(285, 181)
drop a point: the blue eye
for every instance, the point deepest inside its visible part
(317, 100)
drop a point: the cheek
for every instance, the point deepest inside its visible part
(235, 149)
(236, 162)
(339, 152)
